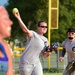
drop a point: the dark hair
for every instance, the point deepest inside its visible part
(40, 22)
(71, 30)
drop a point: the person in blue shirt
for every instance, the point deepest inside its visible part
(6, 67)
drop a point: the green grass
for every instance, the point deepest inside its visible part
(48, 74)
(52, 74)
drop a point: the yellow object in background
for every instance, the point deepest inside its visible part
(19, 49)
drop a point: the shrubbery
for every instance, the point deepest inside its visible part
(52, 70)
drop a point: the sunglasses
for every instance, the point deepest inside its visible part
(71, 33)
(43, 26)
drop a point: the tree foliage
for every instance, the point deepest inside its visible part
(66, 20)
(31, 12)
(34, 10)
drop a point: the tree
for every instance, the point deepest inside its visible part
(34, 10)
(31, 12)
(66, 20)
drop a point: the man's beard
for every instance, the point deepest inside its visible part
(70, 38)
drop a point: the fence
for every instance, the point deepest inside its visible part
(54, 60)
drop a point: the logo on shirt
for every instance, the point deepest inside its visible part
(73, 49)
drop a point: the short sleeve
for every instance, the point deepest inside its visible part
(63, 43)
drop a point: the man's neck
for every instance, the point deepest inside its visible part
(40, 33)
(72, 40)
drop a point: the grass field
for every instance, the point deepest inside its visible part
(52, 74)
(48, 74)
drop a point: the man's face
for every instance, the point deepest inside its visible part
(71, 35)
(42, 28)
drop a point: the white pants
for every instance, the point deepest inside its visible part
(31, 69)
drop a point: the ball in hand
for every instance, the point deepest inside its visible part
(15, 10)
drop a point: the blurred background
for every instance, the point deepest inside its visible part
(59, 14)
